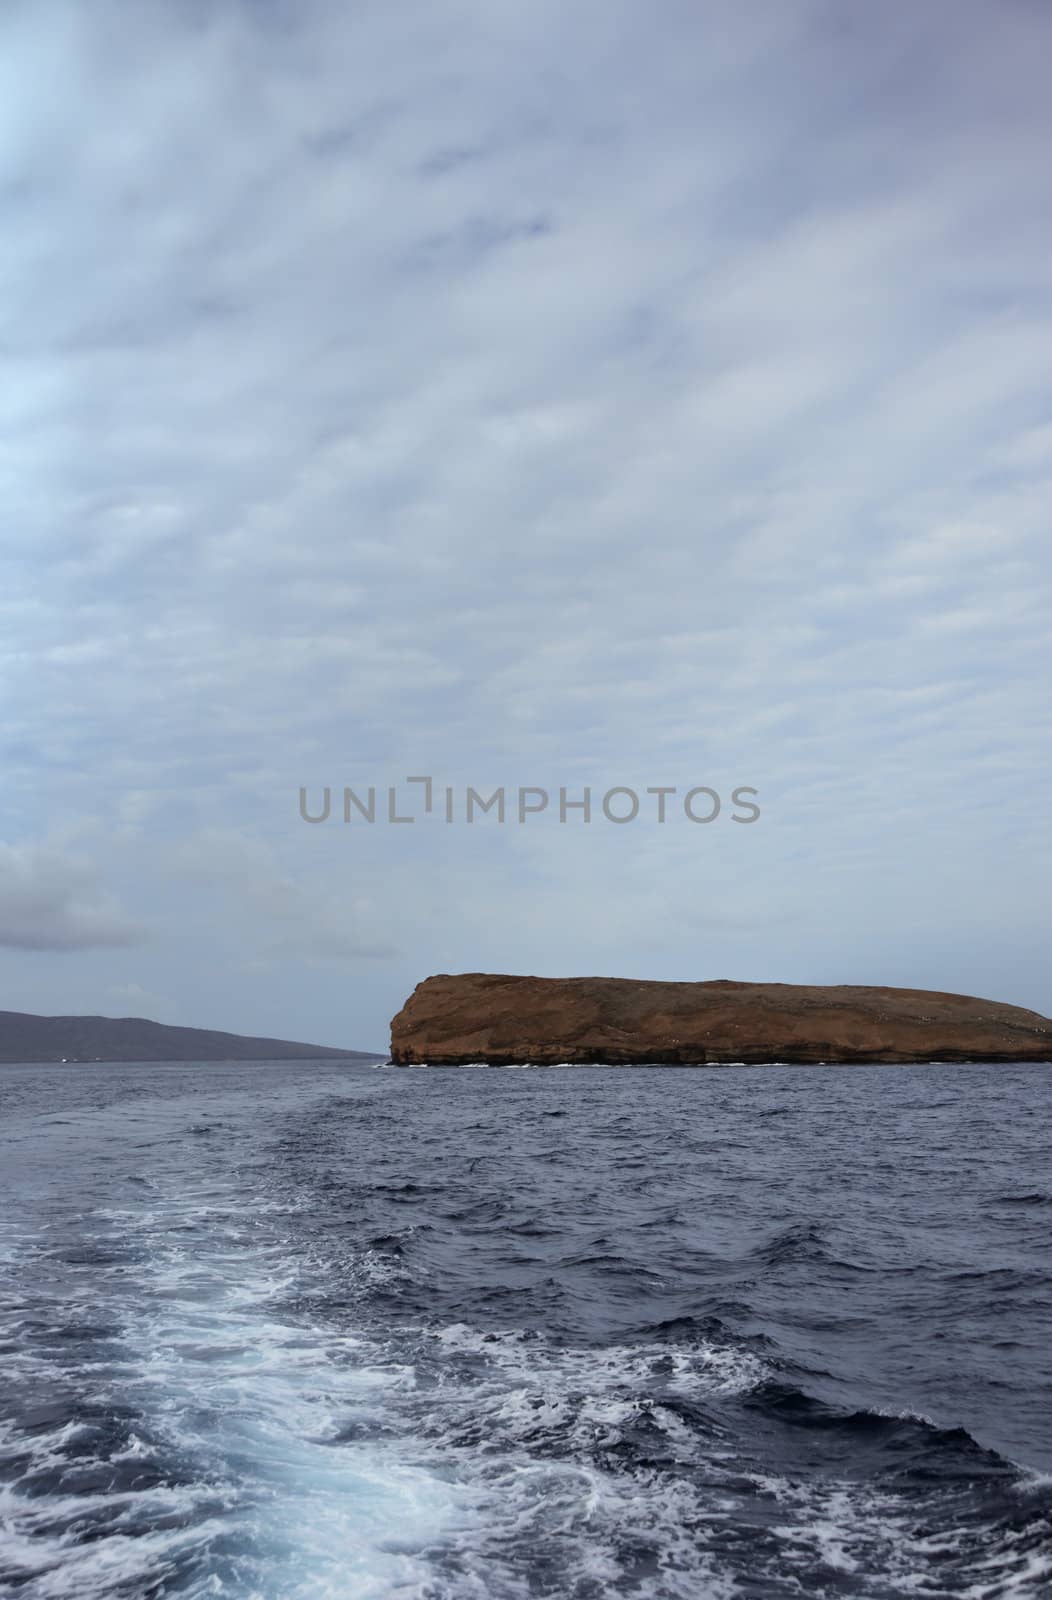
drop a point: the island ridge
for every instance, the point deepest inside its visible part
(505, 1020)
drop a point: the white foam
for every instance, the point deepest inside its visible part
(854, 1528)
(254, 1408)
(324, 1465)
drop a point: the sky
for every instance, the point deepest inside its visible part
(521, 396)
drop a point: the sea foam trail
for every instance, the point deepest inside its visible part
(216, 1444)
(221, 1443)
(205, 1445)
(343, 1345)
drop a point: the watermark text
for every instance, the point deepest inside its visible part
(402, 805)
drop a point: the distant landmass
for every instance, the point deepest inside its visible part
(506, 1020)
(25, 1037)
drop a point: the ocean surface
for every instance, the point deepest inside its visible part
(310, 1331)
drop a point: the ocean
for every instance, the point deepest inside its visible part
(311, 1331)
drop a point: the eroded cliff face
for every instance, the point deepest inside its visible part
(480, 1016)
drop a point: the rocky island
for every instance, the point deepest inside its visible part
(504, 1020)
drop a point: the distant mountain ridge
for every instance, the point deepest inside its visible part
(25, 1037)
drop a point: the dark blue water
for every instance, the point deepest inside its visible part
(302, 1332)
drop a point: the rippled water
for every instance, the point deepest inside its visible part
(299, 1332)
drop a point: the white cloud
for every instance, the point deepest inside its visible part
(538, 395)
(283, 918)
(53, 900)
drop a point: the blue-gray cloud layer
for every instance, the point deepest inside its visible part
(528, 395)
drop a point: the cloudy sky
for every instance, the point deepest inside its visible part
(521, 395)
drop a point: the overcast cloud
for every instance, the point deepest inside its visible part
(527, 395)
(52, 900)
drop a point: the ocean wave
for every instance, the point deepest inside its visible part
(461, 1340)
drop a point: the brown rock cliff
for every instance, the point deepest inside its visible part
(503, 1020)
